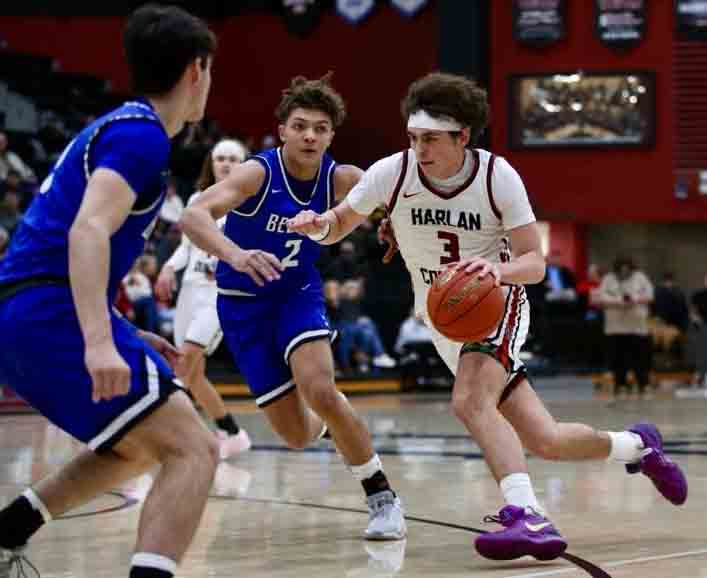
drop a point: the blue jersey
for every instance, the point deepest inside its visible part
(261, 223)
(132, 142)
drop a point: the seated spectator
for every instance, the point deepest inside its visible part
(11, 161)
(671, 315)
(413, 331)
(560, 284)
(13, 183)
(699, 318)
(138, 289)
(359, 337)
(173, 206)
(10, 215)
(346, 265)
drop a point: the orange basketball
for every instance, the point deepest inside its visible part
(463, 307)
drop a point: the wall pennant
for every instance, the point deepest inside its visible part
(301, 16)
(355, 10)
(409, 7)
(539, 22)
(620, 24)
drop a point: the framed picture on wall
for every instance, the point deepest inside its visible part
(582, 109)
(539, 22)
(691, 19)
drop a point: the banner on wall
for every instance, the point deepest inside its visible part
(691, 19)
(539, 22)
(355, 11)
(620, 23)
(409, 7)
(301, 16)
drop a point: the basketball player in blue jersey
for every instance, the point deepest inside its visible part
(61, 346)
(276, 326)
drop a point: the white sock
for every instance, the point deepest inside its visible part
(626, 447)
(365, 471)
(149, 560)
(518, 491)
(37, 504)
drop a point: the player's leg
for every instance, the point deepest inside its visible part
(293, 420)
(202, 337)
(312, 367)
(478, 387)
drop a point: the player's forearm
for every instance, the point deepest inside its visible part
(526, 269)
(180, 257)
(203, 231)
(89, 255)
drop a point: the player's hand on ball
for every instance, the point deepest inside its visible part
(307, 223)
(260, 266)
(483, 267)
(166, 284)
(110, 375)
(386, 234)
(163, 347)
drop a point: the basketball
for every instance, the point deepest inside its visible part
(463, 307)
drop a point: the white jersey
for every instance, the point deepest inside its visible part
(198, 264)
(434, 228)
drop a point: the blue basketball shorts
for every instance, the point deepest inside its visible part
(262, 332)
(42, 359)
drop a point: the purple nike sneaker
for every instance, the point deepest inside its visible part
(525, 534)
(665, 474)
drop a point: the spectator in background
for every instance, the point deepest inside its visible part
(173, 206)
(346, 265)
(4, 241)
(13, 183)
(10, 215)
(626, 295)
(699, 317)
(588, 293)
(138, 289)
(560, 283)
(11, 161)
(672, 315)
(359, 337)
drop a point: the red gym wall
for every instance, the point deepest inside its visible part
(373, 64)
(594, 186)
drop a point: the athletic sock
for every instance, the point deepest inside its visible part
(146, 565)
(228, 424)
(21, 519)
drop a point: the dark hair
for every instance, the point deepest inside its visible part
(314, 95)
(443, 95)
(622, 262)
(160, 42)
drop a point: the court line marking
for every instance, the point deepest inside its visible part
(580, 563)
(618, 563)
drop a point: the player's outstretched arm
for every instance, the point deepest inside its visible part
(199, 223)
(106, 204)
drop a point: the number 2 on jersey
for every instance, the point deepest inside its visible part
(289, 260)
(450, 247)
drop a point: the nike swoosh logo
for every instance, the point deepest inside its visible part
(276, 191)
(306, 287)
(537, 527)
(408, 195)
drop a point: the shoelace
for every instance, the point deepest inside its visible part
(22, 566)
(503, 518)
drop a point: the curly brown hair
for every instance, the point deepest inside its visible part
(443, 95)
(314, 95)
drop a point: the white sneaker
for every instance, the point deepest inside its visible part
(15, 559)
(231, 445)
(384, 361)
(386, 519)
(231, 481)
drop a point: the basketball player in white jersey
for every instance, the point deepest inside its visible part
(197, 332)
(454, 206)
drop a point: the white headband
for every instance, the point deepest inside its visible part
(230, 147)
(421, 119)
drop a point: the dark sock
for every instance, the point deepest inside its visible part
(327, 435)
(18, 522)
(147, 572)
(376, 483)
(228, 424)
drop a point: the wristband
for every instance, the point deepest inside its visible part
(322, 235)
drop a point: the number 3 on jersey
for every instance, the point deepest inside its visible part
(294, 245)
(450, 247)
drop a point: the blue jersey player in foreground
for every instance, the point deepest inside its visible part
(276, 327)
(61, 346)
